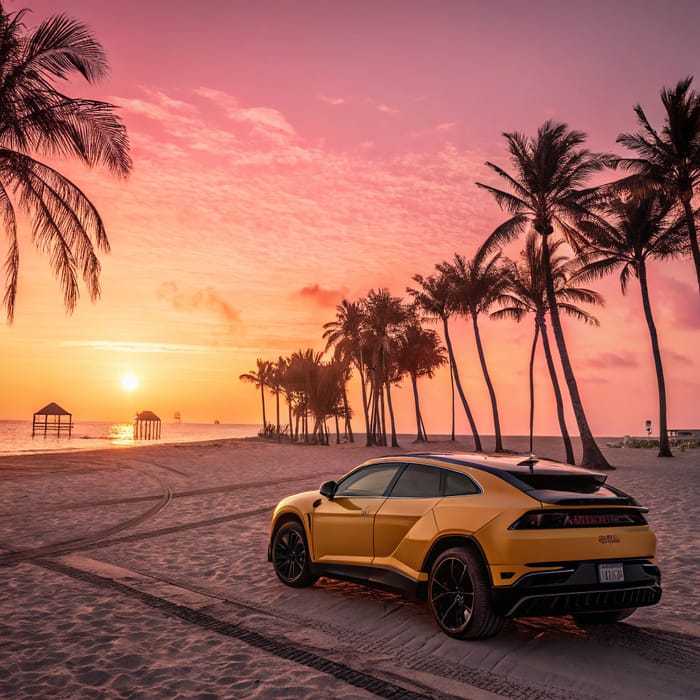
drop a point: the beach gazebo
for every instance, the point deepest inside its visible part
(146, 426)
(52, 419)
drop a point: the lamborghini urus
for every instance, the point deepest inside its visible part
(481, 537)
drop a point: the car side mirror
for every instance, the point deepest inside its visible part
(328, 489)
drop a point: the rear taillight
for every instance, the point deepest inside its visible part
(557, 519)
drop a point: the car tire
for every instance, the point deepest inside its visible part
(459, 596)
(602, 618)
(290, 556)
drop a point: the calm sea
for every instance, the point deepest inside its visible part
(16, 435)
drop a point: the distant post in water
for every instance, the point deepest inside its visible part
(146, 426)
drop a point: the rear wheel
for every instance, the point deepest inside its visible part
(459, 595)
(602, 618)
(290, 556)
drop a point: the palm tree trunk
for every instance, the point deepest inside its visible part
(592, 456)
(365, 403)
(532, 386)
(489, 384)
(452, 401)
(277, 401)
(346, 412)
(460, 391)
(557, 395)
(394, 439)
(692, 234)
(664, 446)
(419, 430)
(262, 396)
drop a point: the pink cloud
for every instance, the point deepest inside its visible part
(326, 298)
(679, 299)
(608, 360)
(331, 100)
(203, 299)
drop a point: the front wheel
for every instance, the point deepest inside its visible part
(602, 618)
(459, 595)
(290, 556)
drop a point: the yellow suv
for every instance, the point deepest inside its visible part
(482, 537)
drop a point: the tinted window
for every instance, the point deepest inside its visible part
(370, 481)
(457, 484)
(417, 481)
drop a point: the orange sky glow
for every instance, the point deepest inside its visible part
(289, 155)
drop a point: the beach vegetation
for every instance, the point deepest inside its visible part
(419, 353)
(526, 293)
(261, 377)
(670, 158)
(547, 193)
(433, 296)
(38, 120)
(637, 226)
(475, 286)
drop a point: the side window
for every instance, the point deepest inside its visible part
(417, 481)
(370, 481)
(457, 484)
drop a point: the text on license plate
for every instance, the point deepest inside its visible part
(608, 573)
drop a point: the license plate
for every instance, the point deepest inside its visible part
(609, 573)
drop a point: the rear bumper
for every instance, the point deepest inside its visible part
(576, 588)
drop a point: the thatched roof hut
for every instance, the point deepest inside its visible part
(146, 426)
(52, 418)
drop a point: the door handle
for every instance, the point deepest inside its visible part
(364, 511)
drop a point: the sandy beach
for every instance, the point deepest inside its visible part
(142, 572)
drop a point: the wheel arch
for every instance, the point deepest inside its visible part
(455, 540)
(289, 516)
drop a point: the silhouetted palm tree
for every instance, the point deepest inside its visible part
(346, 336)
(638, 227)
(37, 118)
(671, 158)
(476, 286)
(419, 353)
(527, 293)
(261, 378)
(383, 317)
(545, 193)
(434, 298)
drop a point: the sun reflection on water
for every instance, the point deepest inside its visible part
(121, 433)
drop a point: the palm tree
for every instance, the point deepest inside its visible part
(638, 227)
(345, 334)
(37, 118)
(671, 159)
(476, 286)
(527, 293)
(419, 353)
(261, 378)
(433, 297)
(546, 193)
(384, 316)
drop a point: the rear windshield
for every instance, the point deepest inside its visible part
(573, 483)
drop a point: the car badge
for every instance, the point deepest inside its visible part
(608, 539)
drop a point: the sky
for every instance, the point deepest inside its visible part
(288, 155)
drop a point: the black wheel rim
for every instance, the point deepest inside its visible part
(290, 555)
(452, 594)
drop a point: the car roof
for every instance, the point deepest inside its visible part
(501, 464)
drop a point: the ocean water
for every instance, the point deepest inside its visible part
(16, 435)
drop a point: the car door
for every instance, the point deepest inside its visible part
(412, 498)
(342, 528)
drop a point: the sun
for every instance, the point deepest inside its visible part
(130, 382)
